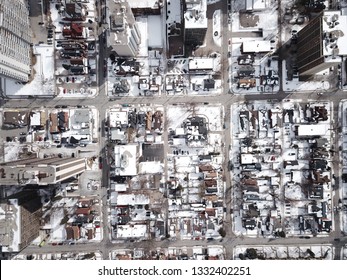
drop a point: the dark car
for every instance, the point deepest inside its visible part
(100, 162)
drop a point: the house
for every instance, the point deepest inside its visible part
(157, 120)
(209, 84)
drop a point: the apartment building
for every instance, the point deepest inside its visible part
(40, 171)
(124, 35)
(15, 40)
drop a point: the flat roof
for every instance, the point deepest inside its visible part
(125, 160)
(313, 129)
(200, 63)
(126, 231)
(195, 15)
(154, 4)
(334, 25)
(248, 159)
(132, 199)
(256, 46)
(118, 117)
(155, 26)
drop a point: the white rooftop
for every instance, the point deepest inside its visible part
(125, 160)
(313, 129)
(248, 159)
(195, 15)
(118, 118)
(155, 26)
(256, 46)
(35, 118)
(150, 167)
(334, 26)
(200, 63)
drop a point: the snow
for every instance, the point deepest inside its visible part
(127, 231)
(11, 151)
(150, 167)
(59, 233)
(288, 252)
(215, 250)
(132, 199)
(155, 26)
(217, 39)
(43, 82)
(142, 23)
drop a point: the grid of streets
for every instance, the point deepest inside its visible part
(176, 130)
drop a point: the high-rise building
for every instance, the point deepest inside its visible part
(40, 171)
(124, 35)
(195, 22)
(15, 40)
(322, 43)
(20, 221)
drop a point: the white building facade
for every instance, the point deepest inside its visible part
(15, 40)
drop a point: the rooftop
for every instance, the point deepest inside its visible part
(335, 40)
(195, 14)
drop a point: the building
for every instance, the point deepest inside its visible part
(322, 43)
(20, 220)
(15, 38)
(15, 118)
(124, 35)
(126, 158)
(147, 7)
(40, 171)
(195, 22)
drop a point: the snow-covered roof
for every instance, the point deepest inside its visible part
(313, 129)
(125, 160)
(132, 199)
(155, 26)
(256, 46)
(150, 167)
(334, 25)
(126, 231)
(200, 63)
(255, 4)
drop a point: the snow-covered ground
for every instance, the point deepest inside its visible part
(257, 134)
